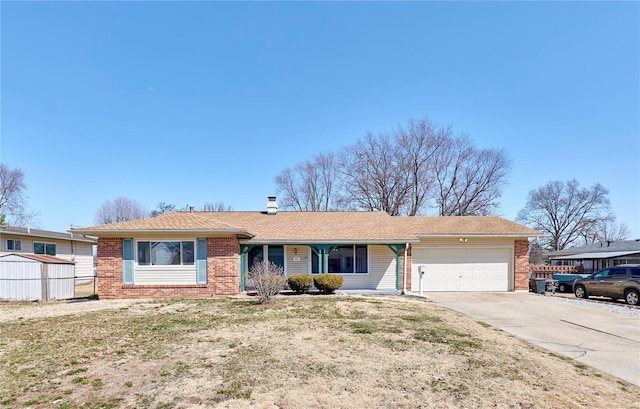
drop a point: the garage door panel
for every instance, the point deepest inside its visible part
(480, 269)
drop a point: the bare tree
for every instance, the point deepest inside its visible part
(12, 197)
(564, 211)
(216, 207)
(374, 177)
(469, 181)
(162, 208)
(121, 209)
(605, 229)
(418, 146)
(311, 185)
(413, 170)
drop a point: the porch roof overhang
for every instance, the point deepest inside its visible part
(597, 255)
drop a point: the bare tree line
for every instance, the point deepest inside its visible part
(122, 209)
(419, 168)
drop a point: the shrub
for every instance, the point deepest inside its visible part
(328, 283)
(300, 283)
(268, 280)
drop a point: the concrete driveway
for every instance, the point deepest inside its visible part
(602, 339)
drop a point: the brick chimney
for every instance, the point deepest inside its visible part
(272, 206)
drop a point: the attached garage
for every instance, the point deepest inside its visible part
(462, 268)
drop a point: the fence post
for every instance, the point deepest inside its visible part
(44, 280)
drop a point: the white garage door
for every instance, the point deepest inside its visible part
(481, 269)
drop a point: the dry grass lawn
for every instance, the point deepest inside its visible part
(298, 352)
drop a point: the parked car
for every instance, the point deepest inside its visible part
(565, 281)
(619, 282)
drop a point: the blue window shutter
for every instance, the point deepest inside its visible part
(127, 261)
(201, 265)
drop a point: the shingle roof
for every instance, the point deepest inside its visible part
(46, 234)
(600, 247)
(172, 221)
(468, 225)
(318, 226)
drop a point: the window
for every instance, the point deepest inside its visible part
(617, 272)
(44, 248)
(14, 244)
(274, 254)
(343, 260)
(166, 253)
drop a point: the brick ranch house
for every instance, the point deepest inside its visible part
(202, 254)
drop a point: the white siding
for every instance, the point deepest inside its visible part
(61, 282)
(83, 259)
(382, 272)
(297, 263)
(165, 275)
(20, 280)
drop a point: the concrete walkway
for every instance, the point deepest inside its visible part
(605, 340)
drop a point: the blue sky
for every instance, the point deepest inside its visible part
(199, 102)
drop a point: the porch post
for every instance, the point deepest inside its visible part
(397, 249)
(243, 252)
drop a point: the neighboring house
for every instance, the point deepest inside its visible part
(68, 246)
(199, 254)
(596, 256)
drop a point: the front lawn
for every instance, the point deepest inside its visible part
(298, 352)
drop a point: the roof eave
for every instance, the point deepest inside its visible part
(121, 232)
(81, 238)
(498, 235)
(327, 242)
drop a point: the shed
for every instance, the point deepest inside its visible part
(34, 277)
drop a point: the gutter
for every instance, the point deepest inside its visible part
(120, 232)
(509, 235)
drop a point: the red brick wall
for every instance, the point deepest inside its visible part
(223, 265)
(521, 264)
(406, 278)
(109, 267)
(223, 269)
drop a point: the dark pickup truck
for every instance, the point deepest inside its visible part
(619, 282)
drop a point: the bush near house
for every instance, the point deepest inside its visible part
(328, 283)
(268, 280)
(300, 283)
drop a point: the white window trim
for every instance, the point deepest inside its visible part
(185, 267)
(312, 254)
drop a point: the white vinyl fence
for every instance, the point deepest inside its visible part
(23, 279)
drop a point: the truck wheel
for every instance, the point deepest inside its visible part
(562, 288)
(632, 297)
(580, 292)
